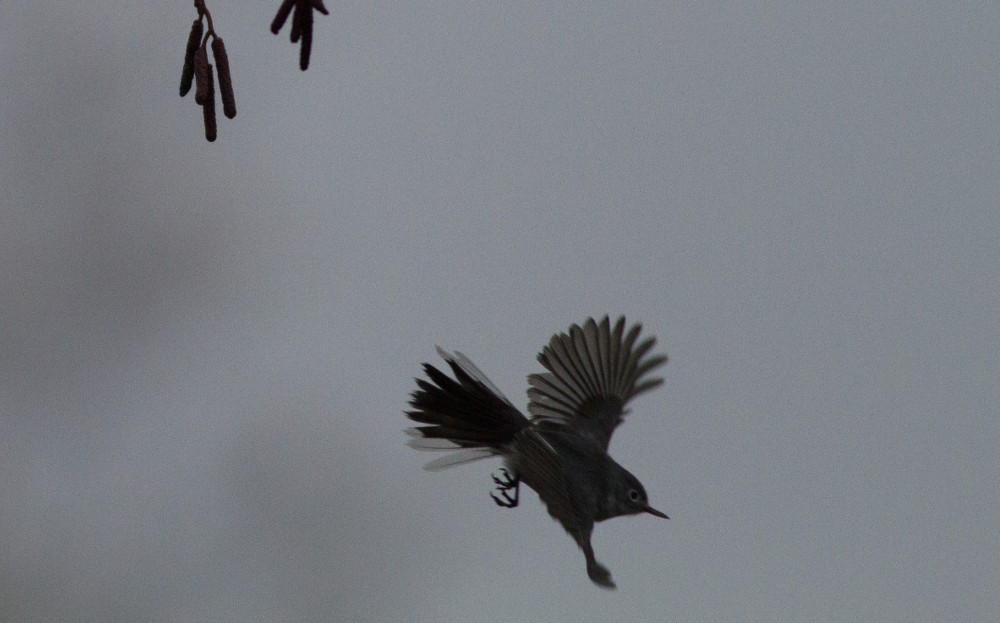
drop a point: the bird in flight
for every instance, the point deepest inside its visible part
(592, 372)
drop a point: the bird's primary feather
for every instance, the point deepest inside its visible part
(593, 372)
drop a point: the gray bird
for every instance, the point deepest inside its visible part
(562, 451)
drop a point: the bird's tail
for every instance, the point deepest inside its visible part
(466, 413)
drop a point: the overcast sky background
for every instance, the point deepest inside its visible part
(206, 349)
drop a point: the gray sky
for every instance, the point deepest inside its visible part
(207, 348)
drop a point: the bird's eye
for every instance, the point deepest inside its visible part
(633, 495)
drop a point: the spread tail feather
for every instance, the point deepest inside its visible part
(467, 413)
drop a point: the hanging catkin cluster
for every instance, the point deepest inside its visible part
(200, 71)
(302, 24)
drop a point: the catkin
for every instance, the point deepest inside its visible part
(225, 80)
(307, 37)
(282, 15)
(194, 38)
(296, 33)
(201, 75)
(208, 108)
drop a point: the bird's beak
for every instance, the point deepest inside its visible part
(653, 511)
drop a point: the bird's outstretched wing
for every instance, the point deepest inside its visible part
(593, 371)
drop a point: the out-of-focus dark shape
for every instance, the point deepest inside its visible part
(283, 11)
(296, 33)
(302, 24)
(307, 37)
(225, 79)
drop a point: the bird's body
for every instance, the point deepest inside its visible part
(578, 480)
(561, 452)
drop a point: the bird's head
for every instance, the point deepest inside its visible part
(626, 496)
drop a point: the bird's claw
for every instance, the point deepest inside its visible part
(507, 481)
(504, 499)
(504, 486)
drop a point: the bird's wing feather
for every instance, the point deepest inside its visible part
(593, 372)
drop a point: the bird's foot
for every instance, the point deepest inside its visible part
(507, 482)
(504, 485)
(600, 575)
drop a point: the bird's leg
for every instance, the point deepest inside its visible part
(504, 485)
(597, 572)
